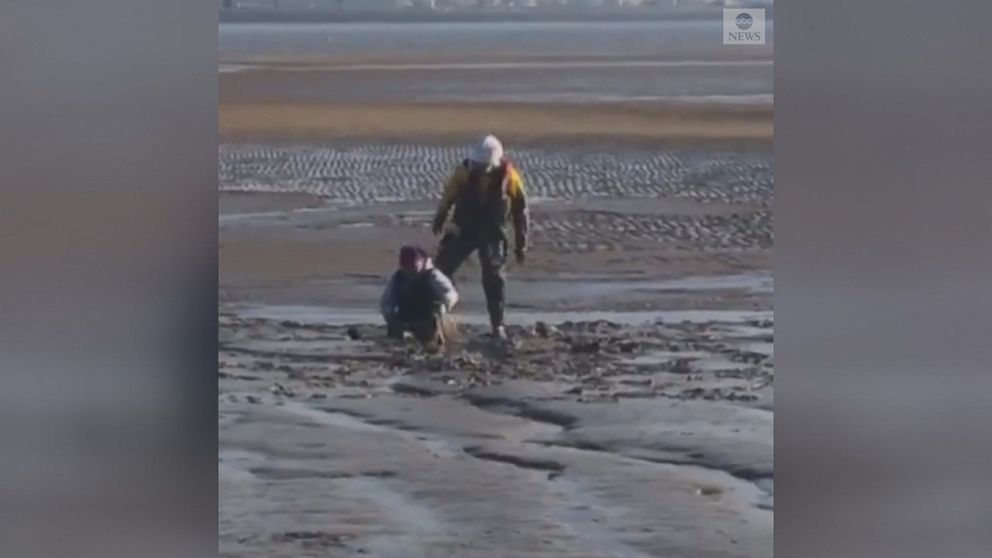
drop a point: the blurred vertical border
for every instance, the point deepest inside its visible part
(108, 212)
(882, 283)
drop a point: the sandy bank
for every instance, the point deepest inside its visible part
(532, 123)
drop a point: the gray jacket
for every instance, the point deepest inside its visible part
(443, 287)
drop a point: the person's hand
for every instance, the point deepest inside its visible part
(521, 255)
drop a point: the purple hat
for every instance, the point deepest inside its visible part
(410, 255)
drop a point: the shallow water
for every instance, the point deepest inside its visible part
(628, 38)
(681, 61)
(550, 290)
(762, 348)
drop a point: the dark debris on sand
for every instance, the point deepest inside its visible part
(592, 361)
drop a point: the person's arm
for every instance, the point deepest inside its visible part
(448, 197)
(444, 289)
(387, 303)
(519, 212)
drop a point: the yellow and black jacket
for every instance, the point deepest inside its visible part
(483, 200)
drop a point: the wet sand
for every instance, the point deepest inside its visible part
(534, 124)
(582, 440)
(629, 415)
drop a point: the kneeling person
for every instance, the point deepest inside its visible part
(417, 298)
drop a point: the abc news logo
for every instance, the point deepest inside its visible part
(744, 27)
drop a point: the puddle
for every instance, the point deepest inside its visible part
(235, 68)
(279, 215)
(716, 365)
(761, 348)
(759, 283)
(584, 287)
(315, 348)
(257, 215)
(737, 330)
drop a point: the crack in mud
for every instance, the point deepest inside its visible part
(752, 476)
(759, 478)
(522, 409)
(273, 473)
(515, 460)
(408, 389)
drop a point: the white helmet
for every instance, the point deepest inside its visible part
(488, 152)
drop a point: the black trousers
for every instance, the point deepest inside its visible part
(492, 249)
(425, 329)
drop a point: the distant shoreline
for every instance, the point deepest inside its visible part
(259, 15)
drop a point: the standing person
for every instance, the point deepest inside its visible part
(485, 190)
(417, 298)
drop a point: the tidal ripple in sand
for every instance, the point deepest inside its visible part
(376, 173)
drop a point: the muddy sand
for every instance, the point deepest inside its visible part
(534, 124)
(629, 415)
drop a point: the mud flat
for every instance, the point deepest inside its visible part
(316, 223)
(374, 172)
(576, 439)
(629, 415)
